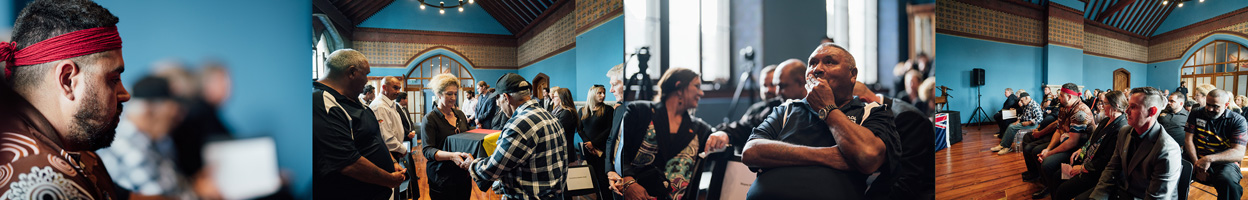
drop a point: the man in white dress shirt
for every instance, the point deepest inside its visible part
(388, 118)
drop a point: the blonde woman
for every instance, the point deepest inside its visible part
(445, 169)
(594, 129)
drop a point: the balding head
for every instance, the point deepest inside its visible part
(835, 66)
(790, 79)
(348, 69)
(1217, 101)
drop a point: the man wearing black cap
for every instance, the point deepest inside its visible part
(1028, 117)
(529, 162)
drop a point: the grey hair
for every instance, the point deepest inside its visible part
(340, 60)
(616, 72)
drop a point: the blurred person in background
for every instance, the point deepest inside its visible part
(369, 93)
(141, 157)
(350, 159)
(541, 90)
(202, 95)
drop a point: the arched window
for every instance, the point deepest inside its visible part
(1220, 63)
(319, 53)
(419, 77)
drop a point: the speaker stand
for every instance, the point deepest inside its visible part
(976, 115)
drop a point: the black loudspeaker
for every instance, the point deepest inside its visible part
(977, 77)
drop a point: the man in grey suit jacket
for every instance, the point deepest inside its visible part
(1146, 162)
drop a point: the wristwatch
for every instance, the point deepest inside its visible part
(823, 113)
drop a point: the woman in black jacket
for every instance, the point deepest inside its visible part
(445, 169)
(563, 109)
(661, 141)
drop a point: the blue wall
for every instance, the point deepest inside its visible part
(265, 44)
(562, 71)
(406, 14)
(792, 29)
(1076, 4)
(1062, 64)
(1098, 72)
(607, 44)
(1005, 65)
(1194, 11)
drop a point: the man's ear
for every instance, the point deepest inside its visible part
(66, 72)
(1152, 110)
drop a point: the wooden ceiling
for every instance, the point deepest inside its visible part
(1141, 17)
(518, 15)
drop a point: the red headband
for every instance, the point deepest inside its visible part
(69, 45)
(1071, 92)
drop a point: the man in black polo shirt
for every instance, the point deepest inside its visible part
(348, 156)
(1215, 144)
(828, 143)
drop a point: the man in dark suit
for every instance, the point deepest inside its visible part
(1145, 164)
(1011, 103)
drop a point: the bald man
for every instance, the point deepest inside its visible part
(1215, 144)
(739, 131)
(828, 142)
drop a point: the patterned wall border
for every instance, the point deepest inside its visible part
(1171, 45)
(397, 54)
(978, 20)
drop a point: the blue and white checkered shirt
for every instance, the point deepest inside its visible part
(530, 162)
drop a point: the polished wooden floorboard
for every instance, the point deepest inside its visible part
(967, 170)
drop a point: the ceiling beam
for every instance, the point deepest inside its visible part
(534, 10)
(1132, 15)
(545, 15)
(344, 25)
(515, 12)
(510, 23)
(1121, 4)
(1155, 19)
(1163, 18)
(371, 9)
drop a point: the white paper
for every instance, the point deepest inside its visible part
(737, 181)
(579, 178)
(244, 169)
(1008, 114)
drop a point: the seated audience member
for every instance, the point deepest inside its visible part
(1215, 144)
(1174, 117)
(767, 88)
(1011, 103)
(1242, 102)
(668, 138)
(1146, 164)
(541, 90)
(565, 111)
(445, 170)
(1089, 161)
(789, 81)
(1199, 96)
(911, 179)
(529, 162)
(1065, 135)
(1028, 118)
(1051, 108)
(829, 142)
(350, 159)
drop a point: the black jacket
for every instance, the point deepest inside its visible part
(635, 121)
(1010, 102)
(596, 127)
(739, 131)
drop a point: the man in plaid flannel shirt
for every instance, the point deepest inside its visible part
(530, 162)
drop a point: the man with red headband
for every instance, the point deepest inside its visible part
(1074, 123)
(62, 101)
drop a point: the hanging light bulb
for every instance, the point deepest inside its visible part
(441, 11)
(1202, 1)
(422, 6)
(461, 9)
(470, 1)
(1180, 4)
(441, 7)
(1165, 2)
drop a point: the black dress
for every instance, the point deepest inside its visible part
(446, 180)
(567, 120)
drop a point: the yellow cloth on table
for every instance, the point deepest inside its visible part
(490, 142)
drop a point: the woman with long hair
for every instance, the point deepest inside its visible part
(594, 129)
(563, 109)
(662, 140)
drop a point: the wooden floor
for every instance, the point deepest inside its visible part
(968, 170)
